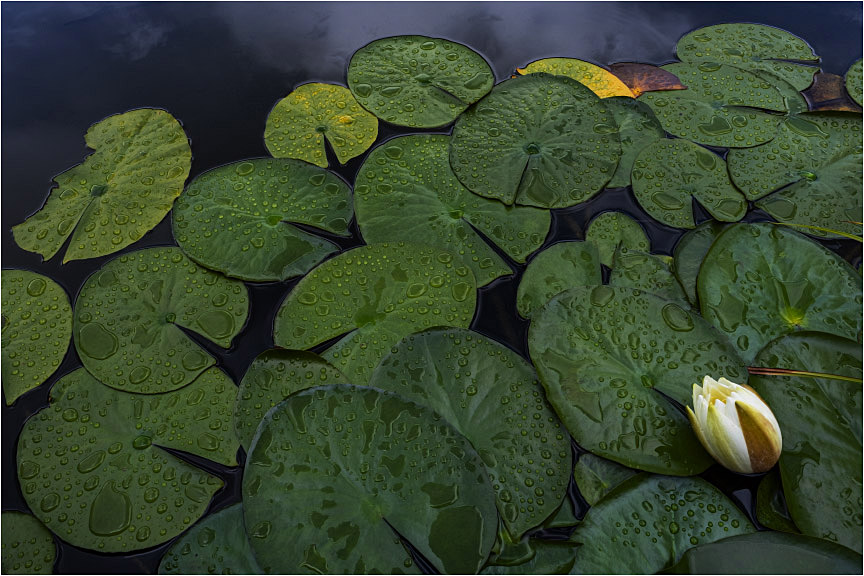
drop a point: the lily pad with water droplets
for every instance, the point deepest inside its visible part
(555, 269)
(93, 469)
(611, 358)
(492, 397)
(596, 477)
(646, 272)
(418, 81)
(637, 128)
(762, 281)
(855, 81)
(405, 190)
(612, 229)
(602, 82)
(336, 474)
(771, 508)
(120, 192)
(238, 219)
(538, 140)
(549, 557)
(648, 522)
(132, 315)
(689, 253)
(28, 547)
(37, 329)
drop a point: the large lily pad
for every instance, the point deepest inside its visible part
(37, 326)
(609, 358)
(131, 314)
(539, 140)
(93, 469)
(299, 123)
(559, 267)
(762, 281)
(611, 229)
(237, 219)
(28, 547)
(669, 173)
(492, 397)
(377, 294)
(637, 128)
(648, 522)
(689, 253)
(418, 81)
(855, 81)
(405, 190)
(821, 423)
(646, 272)
(336, 474)
(119, 193)
(596, 477)
(601, 81)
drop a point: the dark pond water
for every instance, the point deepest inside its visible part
(219, 68)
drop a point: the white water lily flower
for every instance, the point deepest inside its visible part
(735, 426)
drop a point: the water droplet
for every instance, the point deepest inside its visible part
(36, 287)
(50, 502)
(97, 342)
(362, 90)
(139, 374)
(667, 201)
(216, 323)
(676, 318)
(717, 127)
(91, 462)
(110, 512)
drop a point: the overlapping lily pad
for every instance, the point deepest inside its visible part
(646, 272)
(597, 476)
(559, 267)
(336, 474)
(418, 81)
(119, 193)
(689, 253)
(238, 219)
(37, 329)
(92, 467)
(855, 81)
(611, 229)
(640, 77)
(549, 557)
(132, 315)
(539, 140)
(28, 547)
(405, 190)
(771, 509)
(637, 128)
(602, 82)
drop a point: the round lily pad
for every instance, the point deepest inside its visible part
(120, 192)
(637, 128)
(237, 219)
(555, 269)
(93, 469)
(418, 81)
(689, 253)
(131, 316)
(601, 81)
(377, 294)
(336, 474)
(28, 547)
(855, 82)
(492, 397)
(669, 173)
(37, 329)
(762, 281)
(646, 272)
(597, 476)
(611, 229)
(299, 123)
(405, 190)
(539, 140)
(610, 359)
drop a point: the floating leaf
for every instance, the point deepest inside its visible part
(131, 316)
(597, 476)
(28, 547)
(829, 93)
(299, 123)
(555, 269)
(854, 81)
(646, 272)
(492, 397)
(796, 103)
(105, 448)
(641, 78)
(668, 173)
(119, 193)
(611, 229)
(637, 128)
(603, 83)
(418, 81)
(689, 253)
(549, 557)
(384, 293)
(37, 326)
(762, 281)
(405, 190)
(771, 509)
(539, 140)
(336, 474)
(610, 359)
(236, 219)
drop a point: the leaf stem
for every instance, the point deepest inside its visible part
(759, 371)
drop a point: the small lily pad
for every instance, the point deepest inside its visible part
(854, 82)
(555, 269)
(237, 219)
(637, 128)
(689, 253)
(611, 229)
(648, 273)
(601, 81)
(120, 192)
(771, 508)
(28, 546)
(131, 316)
(37, 329)
(597, 476)
(641, 78)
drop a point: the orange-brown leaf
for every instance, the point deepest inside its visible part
(642, 78)
(828, 93)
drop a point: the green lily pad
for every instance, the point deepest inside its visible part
(273, 376)
(28, 547)
(539, 140)
(405, 190)
(646, 272)
(669, 173)
(555, 269)
(418, 81)
(131, 314)
(336, 472)
(377, 294)
(611, 229)
(796, 103)
(37, 329)
(549, 557)
(597, 476)
(119, 193)
(637, 128)
(722, 106)
(689, 253)
(93, 469)
(299, 123)
(237, 219)
(771, 509)
(605, 354)
(753, 47)
(855, 81)
(216, 545)
(821, 423)
(762, 281)
(492, 397)
(648, 522)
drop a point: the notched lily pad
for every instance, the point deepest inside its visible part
(771, 508)
(637, 128)
(648, 273)
(854, 82)
(612, 229)
(119, 193)
(602, 82)
(559, 267)
(641, 78)
(28, 547)
(597, 476)
(689, 253)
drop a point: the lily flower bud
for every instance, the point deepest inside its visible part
(735, 426)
